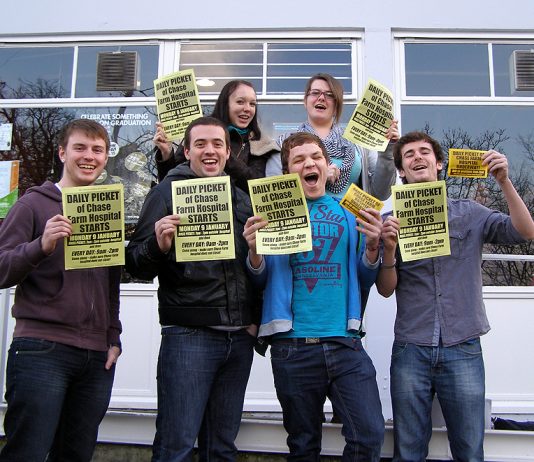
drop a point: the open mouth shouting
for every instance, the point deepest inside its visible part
(311, 179)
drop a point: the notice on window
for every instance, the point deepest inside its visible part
(371, 118)
(422, 211)
(97, 216)
(356, 199)
(466, 163)
(206, 229)
(6, 133)
(280, 200)
(9, 185)
(177, 102)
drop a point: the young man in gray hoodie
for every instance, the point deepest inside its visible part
(61, 362)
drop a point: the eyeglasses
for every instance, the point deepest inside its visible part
(317, 93)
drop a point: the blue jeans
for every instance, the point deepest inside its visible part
(202, 378)
(305, 374)
(56, 397)
(456, 375)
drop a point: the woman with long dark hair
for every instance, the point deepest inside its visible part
(237, 108)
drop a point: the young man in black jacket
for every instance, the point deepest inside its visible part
(208, 313)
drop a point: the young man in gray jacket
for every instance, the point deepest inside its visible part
(440, 311)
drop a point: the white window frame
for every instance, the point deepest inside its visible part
(169, 58)
(401, 38)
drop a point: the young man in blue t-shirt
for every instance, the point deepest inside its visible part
(312, 313)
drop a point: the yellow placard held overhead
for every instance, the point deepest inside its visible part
(371, 118)
(356, 199)
(177, 102)
(97, 216)
(422, 211)
(466, 163)
(206, 229)
(280, 200)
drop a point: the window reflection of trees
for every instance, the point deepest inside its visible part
(488, 193)
(35, 131)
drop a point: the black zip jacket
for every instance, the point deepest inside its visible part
(208, 293)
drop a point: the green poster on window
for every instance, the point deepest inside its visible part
(9, 185)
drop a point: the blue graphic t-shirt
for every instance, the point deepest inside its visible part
(320, 293)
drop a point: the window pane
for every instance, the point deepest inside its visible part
(447, 69)
(38, 72)
(290, 64)
(222, 62)
(507, 129)
(504, 79)
(87, 68)
(130, 128)
(514, 121)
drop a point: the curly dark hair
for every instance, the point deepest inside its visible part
(412, 137)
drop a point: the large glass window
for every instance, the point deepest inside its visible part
(35, 72)
(274, 68)
(217, 63)
(47, 72)
(447, 69)
(147, 57)
(472, 119)
(290, 65)
(278, 69)
(38, 97)
(503, 69)
(130, 160)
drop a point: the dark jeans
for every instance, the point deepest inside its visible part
(305, 374)
(56, 397)
(456, 375)
(202, 378)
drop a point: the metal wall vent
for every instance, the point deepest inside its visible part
(522, 70)
(117, 71)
